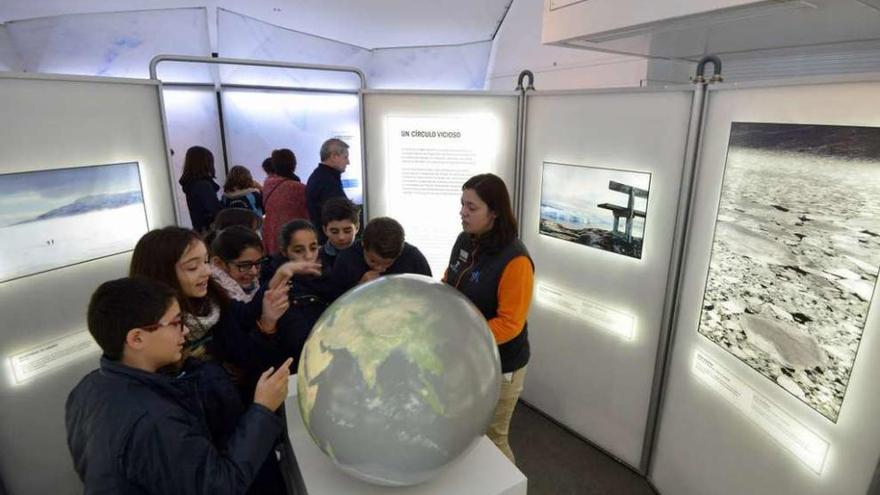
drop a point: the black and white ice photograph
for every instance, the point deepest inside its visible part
(598, 207)
(54, 218)
(796, 254)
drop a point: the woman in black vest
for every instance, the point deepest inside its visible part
(490, 266)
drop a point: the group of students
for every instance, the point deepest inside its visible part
(198, 341)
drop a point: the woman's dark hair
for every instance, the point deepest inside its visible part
(118, 306)
(230, 242)
(291, 228)
(284, 162)
(267, 166)
(238, 178)
(492, 191)
(156, 255)
(384, 236)
(198, 164)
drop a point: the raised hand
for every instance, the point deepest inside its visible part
(272, 387)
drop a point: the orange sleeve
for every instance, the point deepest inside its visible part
(514, 299)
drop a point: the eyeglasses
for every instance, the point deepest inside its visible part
(247, 265)
(177, 322)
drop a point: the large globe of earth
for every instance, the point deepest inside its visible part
(399, 377)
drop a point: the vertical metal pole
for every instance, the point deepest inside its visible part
(365, 212)
(218, 92)
(165, 136)
(674, 276)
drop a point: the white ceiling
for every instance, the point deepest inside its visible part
(367, 23)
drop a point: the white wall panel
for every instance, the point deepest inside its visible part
(586, 374)
(706, 445)
(486, 143)
(50, 124)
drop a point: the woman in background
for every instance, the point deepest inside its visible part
(284, 198)
(490, 266)
(199, 187)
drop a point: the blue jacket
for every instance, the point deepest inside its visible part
(135, 432)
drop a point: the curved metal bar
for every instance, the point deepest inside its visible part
(701, 69)
(523, 75)
(253, 63)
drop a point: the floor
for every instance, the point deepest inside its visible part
(559, 463)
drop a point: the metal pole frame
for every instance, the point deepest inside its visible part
(681, 237)
(154, 63)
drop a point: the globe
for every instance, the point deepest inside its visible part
(399, 377)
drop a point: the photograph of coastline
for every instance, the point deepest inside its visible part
(55, 218)
(598, 207)
(796, 254)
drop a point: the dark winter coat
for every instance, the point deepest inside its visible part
(134, 432)
(202, 202)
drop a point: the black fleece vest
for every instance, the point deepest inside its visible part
(477, 275)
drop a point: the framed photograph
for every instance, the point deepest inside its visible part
(55, 218)
(598, 207)
(796, 254)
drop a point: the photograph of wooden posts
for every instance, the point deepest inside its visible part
(598, 207)
(796, 254)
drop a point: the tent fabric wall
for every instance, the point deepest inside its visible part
(431, 67)
(240, 36)
(9, 60)
(119, 44)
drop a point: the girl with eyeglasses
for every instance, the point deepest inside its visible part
(236, 259)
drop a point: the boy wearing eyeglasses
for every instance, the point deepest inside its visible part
(132, 430)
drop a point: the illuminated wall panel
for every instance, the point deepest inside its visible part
(50, 124)
(422, 148)
(725, 427)
(193, 119)
(258, 122)
(596, 320)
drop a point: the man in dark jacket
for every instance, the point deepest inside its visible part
(326, 181)
(382, 251)
(132, 430)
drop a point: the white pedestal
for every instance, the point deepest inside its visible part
(482, 471)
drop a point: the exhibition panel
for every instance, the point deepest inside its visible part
(83, 172)
(775, 346)
(422, 146)
(192, 117)
(602, 178)
(259, 121)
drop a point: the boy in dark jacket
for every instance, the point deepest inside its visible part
(382, 251)
(132, 430)
(340, 217)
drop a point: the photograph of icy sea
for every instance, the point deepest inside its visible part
(598, 207)
(796, 254)
(55, 218)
